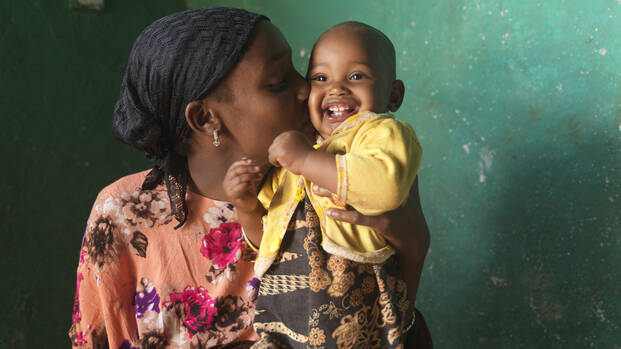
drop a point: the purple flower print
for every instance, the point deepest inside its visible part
(253, 288)
(147, 300)
(127, 345)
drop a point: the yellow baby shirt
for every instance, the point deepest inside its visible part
(377, 159)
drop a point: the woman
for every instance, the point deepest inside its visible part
(164, 263)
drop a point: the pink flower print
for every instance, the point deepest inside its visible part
(80, 339)
(77, 315)
(199, 308)
(223, 245)
(83, 254)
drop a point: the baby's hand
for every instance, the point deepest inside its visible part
(240, 185)
(289, 150)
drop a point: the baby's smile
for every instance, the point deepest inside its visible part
(337, 110)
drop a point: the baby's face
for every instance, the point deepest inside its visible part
(346, 77)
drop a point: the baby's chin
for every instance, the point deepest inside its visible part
(325, 126)
(325, 131)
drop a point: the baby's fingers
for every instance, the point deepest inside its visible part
(242, 167)
(241, 189)
(246, 178)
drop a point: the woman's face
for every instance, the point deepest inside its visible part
(267, 96)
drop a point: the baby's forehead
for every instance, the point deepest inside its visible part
(374, 43)
(361, 33)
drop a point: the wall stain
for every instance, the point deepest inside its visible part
(533, 113)
(574, 129)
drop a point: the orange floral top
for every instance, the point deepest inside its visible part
(143, 284)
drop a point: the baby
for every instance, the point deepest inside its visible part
(326, 283)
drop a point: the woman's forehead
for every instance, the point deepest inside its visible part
(268, 45)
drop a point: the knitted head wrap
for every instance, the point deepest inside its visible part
(176, 60)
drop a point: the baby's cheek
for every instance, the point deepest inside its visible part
(314, 98)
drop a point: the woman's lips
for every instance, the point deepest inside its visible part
(338, 112)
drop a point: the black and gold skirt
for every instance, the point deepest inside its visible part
(312, 299)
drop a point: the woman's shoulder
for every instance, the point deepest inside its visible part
(124, 184)
(127, 205)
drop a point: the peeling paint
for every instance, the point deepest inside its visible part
(466, 148)
(498, 281)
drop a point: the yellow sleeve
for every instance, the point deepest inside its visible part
(270, 186)
(376, 174)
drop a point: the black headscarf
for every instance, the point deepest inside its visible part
(176, 60)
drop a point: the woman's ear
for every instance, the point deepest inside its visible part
(202, 119)
(397, 91)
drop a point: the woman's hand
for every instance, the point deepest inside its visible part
(405, 229)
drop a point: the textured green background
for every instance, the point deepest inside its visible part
(517, 105)
(60, 73)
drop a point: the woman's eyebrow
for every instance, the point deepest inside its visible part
(279, 54)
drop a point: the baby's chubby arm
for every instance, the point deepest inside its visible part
(241, 185)
(380, 166)
(293, 151)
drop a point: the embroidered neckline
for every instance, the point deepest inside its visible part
(351, 122)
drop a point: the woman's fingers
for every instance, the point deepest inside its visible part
(352, 216)
(379, 223)
(321, 191)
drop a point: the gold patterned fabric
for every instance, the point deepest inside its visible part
(320, 300)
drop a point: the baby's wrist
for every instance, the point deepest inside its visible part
(305, 160)
(251, 207)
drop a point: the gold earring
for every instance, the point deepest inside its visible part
(216, 140)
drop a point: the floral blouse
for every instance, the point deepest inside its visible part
(143, 284)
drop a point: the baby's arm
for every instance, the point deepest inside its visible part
(378, 170)
(241, 185)
(293, 151)
(376, 173)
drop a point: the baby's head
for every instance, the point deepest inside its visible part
(352, 69)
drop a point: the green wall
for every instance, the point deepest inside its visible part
(516, 103)
(518, 108)
(60, 73)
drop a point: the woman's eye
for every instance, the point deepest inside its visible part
(277, 87)
(356, 76)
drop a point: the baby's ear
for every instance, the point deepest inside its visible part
(397, 91)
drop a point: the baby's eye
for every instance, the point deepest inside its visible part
(319, 78)
(356, 76)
